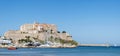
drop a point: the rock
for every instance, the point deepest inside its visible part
(36, 32)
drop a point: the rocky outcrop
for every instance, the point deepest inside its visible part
(37, 31)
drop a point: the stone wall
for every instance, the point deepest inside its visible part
(39, 31)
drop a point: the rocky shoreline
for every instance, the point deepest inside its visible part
(41, 47)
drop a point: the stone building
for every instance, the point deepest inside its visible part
(36, 30)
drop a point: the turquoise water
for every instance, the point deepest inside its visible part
(79, 51)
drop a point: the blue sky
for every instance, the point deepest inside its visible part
(88, 21)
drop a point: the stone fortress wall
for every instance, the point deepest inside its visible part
(36, 30)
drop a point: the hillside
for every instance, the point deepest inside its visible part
(40, 33)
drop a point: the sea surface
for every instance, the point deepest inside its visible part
(79, 51)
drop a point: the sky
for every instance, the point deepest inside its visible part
(88, 21)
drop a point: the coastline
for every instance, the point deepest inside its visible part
(42, 47)
(38, 35)
(102, 45)
(6, 46)
(73, 46)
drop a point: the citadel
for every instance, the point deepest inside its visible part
(41, 34)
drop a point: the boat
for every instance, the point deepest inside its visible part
(12, 48)
(115, 45)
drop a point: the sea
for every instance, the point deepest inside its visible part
(78, 51)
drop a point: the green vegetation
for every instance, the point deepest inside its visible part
(58, 31)
(28, 39)
(51, 31)
(42, 42)
(4, 43)
(25, 40)
(63, 31)
(21, 40)
(72, 42)
(62, 41)
(38, 40)
(51, 39)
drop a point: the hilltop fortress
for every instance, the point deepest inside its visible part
(39, 33)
